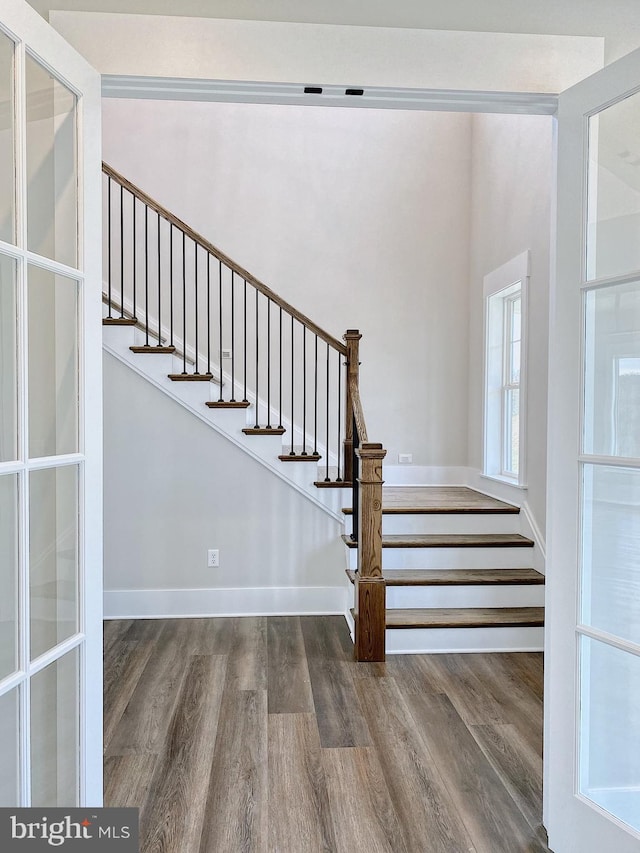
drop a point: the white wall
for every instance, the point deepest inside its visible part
(359, 218)
(175, 488)
(511, 193)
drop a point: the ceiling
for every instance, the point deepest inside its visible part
(617, 20)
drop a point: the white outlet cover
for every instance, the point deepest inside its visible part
(405, 458)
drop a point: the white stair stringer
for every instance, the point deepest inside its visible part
(229, 423)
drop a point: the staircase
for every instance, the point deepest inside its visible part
(457, 572)
(225, 346)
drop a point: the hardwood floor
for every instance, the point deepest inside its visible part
(262, 734)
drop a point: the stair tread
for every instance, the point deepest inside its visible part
(450, 540)
(228, 404)
(332, 484)
(192, 377)
(119, 321)
(153, 349)
(458, 577)
(263, 431)
(466, 617)
(297, 456)
(439, 500)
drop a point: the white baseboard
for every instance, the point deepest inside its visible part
(425, 475)
(223, 601)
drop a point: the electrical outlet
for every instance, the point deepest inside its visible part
(213, 558)
(405, 458)
(226, 353)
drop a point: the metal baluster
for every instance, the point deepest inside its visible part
(195, 299)
(292, 451)
(257, 425)
(304, 390)
(233, 339)
(184, 303)
(209, 316)
(134, 308)
(159, 290)
(171, 284)
(280, 378)
(315, 398)
(244, 341)
(109, 243)
(268, 363)
(121, 251)
(220, 325)
(327, 479)
(146, 274)
(338, 453)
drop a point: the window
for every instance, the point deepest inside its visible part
(505, 328)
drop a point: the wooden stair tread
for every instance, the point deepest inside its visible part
(228, 404)
(439, 500)
(264, 430)
(153, 349)
(333, 484)
(192, 377)
(450, 540)
(300, 457)
(458, 577)
(466, 617)
(119, 321)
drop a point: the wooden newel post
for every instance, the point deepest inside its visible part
(370, 616)
(352, 339)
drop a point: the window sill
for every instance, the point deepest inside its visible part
(506, 480)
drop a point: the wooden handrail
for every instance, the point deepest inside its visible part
(225, 259)
(358, 414)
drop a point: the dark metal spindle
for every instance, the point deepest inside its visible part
(292, 451)
(280, 376)
(171, 283)
(134, 309)
(159, 290)
(327, 479)
(257, 355)
(244, 341)
(209, 315)
(268, 363)
(315, 398)
(121, 251)
(304, 391)
(184, 303)
(233, 338)
(195, 299)
(339, 454)
(109, 243)
(146, 274)
(355, 495)
(220, 325)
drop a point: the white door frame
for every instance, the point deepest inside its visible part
(29, 31)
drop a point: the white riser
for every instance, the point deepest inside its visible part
(434, 640)
(451, 558)
(465, 596)
(432, 523)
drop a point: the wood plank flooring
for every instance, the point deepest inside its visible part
(262, 734)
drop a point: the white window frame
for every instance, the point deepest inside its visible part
(506, 282)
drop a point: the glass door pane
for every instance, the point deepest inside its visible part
(8, 574)
(53, 556)
(53, 363)
(9, 738)
(52, 174)
(55, 735)
(8, 360)
(7, 142)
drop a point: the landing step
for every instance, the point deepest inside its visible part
(192, 377)
(264, 430)
(228, 404)
(119, 321)
(439, 500)
(458, 577)
(466, 617)
(300, 457)
(151, 349)
(450, 540)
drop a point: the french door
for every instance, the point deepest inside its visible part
(50, 418)
(592, 737)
